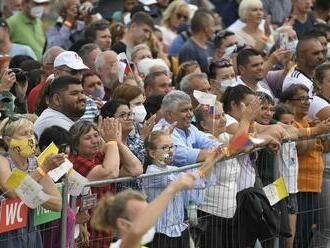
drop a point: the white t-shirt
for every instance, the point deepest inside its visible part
(316, 105)
(261, 87)
(50, 117)
(298, 77)
(230, 120)
(238, 25)
(168, 35)
(288, 165)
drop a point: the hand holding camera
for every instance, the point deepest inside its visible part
(8, 79)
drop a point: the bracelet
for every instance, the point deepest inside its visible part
(41, 171)
(68, 24)
(112, 142)
(308, 131)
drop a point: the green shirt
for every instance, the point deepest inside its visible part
(26, 31)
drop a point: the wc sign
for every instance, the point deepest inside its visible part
(14, 215)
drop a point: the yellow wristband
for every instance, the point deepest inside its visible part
(41, 171)
(112, 142)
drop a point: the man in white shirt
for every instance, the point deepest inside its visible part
(309, 56)
(250, 67)
(67, 103)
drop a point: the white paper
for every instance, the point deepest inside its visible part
(271, 194)
(58, 172)
(76, 183)
(30, 192)
(205, 98)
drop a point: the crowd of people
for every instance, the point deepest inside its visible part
(119, 96)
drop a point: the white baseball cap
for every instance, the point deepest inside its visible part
(70, 59)
(41, 1)
(148, 2)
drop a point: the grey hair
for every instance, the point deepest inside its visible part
(247, 5)
(86, 49)
(79, 129)
(48, 57)
(186, 80)
(100, 60)
(138, 48)
(173, 99)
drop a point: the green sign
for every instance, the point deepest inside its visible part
(42, 215)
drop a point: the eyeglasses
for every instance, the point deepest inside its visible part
(72, 71)
(167, 148)
(302, 99)
(179, 16)
(126, 116)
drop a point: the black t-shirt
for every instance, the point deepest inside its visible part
(119, 47)
(302, 28)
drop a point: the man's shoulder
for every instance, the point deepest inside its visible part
(119, 47)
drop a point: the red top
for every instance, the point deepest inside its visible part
(32, 97)
(83, 166)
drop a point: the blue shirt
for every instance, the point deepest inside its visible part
(189, 143)
(171, 222)
(191, 51)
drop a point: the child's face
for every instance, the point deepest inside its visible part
(164, 150)
(287, 119)
(266, 114)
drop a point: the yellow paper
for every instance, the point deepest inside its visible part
(16, 178)
(51, 149)
(280, 187)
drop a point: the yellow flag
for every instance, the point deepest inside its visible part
(51, 149)
(16, 178)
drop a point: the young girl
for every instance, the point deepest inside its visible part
(171, 231)
(289, 169)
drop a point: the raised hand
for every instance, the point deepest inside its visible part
(249, 113)
(53, 161)
(8, 79)
(184, 182)
(111, 130)
(148, 126)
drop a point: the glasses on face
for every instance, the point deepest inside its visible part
(126, 116)
(183, 16)
(302, 99)
(73, 72)
(167, 148)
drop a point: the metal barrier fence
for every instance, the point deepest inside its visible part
(208, 216)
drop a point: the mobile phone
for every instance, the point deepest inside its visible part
(284, 40)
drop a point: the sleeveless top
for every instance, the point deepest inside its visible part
(29, 236)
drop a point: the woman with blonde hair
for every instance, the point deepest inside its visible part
(176, 14)
(18, 135)
(131, 217)
(252, 13)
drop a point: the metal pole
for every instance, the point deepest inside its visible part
(74, 207)
(64, 212)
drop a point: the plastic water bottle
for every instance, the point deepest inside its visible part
(192, 213)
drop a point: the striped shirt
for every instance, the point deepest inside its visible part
(91, 111)
(298, 77)
(171, 222)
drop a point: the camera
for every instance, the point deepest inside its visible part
(87, 10)
(21, 76)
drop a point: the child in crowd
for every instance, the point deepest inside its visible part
(171, 231)
(289, 169)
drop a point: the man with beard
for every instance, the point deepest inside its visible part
(67, 103)
(309, 55)
(250, 66)
(9, 48)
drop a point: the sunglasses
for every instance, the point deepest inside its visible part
(182, 16)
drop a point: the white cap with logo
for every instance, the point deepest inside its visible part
(70, 59)
(41, 1)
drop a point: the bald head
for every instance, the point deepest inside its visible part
(309, 53)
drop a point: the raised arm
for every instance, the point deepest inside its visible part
(110, 166)
(150, 215)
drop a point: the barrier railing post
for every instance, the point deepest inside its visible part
(74, 207)
(64, 212)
